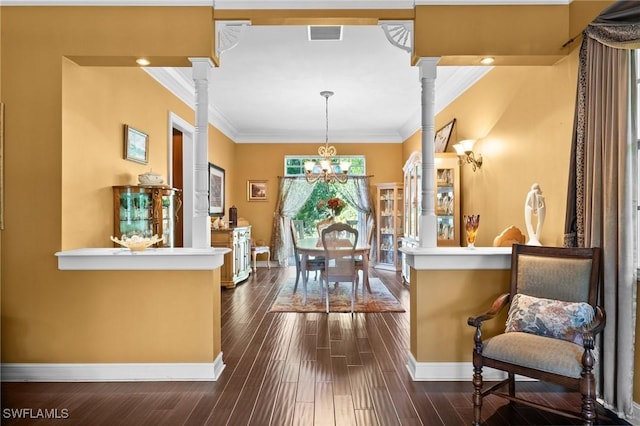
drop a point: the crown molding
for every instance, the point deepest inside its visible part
(447, 90)
(183, 89)
(336, 138)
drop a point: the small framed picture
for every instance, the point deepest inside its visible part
(257, 190)
(136, 145)
(443, 135)
(216, 190)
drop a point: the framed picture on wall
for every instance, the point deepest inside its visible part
(136, 145)
(216, 190)
(257, 190)
(443, 135)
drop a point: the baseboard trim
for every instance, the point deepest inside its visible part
(635, 415)
(451, 371)
(120, 372)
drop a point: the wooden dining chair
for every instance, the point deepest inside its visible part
(362, 262)
(315, 263)
(339, 241)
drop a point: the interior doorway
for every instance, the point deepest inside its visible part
(181, 170)
(177, 171)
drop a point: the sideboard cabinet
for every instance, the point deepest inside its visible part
(237, 263)
(146, 211)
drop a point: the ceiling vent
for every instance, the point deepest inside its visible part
(325, 32)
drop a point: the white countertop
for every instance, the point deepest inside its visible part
(122, 259)
(458, 258)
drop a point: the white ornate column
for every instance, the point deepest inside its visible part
(201, 233)
(428, 224)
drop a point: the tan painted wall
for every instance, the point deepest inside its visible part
(266, 162)
(439, 308)
(54, 316)
(522, 118)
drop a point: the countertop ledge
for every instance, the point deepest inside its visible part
(122, 259)
(458, 258)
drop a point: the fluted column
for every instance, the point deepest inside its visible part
(201, 234)
(428, 225)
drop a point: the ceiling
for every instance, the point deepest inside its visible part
(267, 88)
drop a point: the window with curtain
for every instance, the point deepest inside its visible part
(294, 167)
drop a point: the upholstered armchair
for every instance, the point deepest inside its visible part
(552, 323)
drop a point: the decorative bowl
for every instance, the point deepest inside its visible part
(150, 178)
(137, 243)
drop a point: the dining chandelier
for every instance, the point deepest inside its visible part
(325, 170)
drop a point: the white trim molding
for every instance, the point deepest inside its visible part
(635, 415)
(451, 372)
(116, 372)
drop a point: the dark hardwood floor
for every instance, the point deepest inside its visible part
(291, 369)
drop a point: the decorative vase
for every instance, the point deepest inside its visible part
(471, 223)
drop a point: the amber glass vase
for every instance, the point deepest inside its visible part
(471, 223)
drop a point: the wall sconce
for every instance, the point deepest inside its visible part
(465, 150)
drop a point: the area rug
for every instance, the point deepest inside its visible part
(379, 300)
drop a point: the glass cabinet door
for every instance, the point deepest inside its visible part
(390, 225)
(136, 214)
(447, 202)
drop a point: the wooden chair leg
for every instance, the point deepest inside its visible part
(477, 380)
(588, 389)
(512, 384)
(269, 259)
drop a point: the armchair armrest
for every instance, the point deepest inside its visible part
(502, 301)
(596, 326)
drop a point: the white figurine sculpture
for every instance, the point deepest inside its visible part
(534, 206)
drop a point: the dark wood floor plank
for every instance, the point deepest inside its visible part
(303, 415)
(324, 413)
(359, 387)
(285, 405)
(293, 368)
(265, 401)
(366, 417)
(340, 377)
(323, 366)
(344, 411)
(306, 382)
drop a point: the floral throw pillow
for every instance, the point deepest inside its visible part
(549, 318)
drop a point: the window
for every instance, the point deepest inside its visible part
(294, 164)
(309, 213)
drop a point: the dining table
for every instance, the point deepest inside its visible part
(312, 247)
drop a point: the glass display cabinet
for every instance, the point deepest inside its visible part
(146, 211)
(447, 202)
(390, 209)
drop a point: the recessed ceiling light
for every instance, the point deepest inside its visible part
(143, 62)
(487, 60)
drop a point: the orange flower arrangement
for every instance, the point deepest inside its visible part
(336, 205)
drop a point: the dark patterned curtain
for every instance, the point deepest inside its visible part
(603, 180)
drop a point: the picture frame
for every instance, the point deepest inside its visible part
(257, 190)
(216, 190)
(136, 145)
(443, 135)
